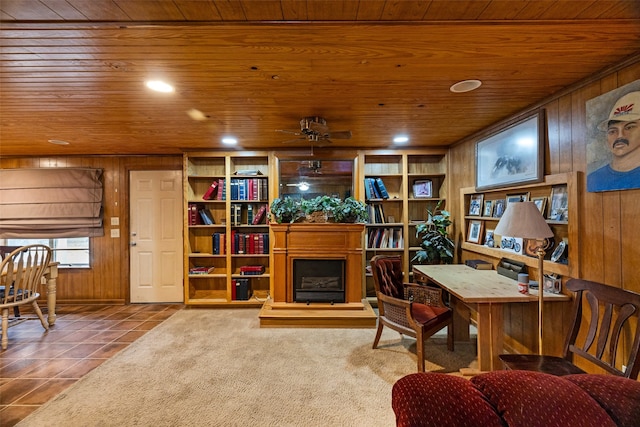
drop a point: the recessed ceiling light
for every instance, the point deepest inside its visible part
(229, 140)
(58, 142)
(400, 139)
(159, 86)
(465, 86)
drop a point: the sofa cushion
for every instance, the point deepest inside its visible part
(431, 399)
(620, 397)
(535, 399)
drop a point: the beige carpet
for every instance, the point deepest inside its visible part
(217, 367)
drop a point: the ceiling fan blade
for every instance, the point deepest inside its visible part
(292, 132)
(343, 134)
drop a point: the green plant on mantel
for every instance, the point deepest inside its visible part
(436, 245)
(285, 210)
(333, 209)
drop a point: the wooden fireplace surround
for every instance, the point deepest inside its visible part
(316, 241)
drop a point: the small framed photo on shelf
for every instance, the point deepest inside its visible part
(475, 204)
(559, 209)
(488, 238)
(422, 189)
(475, 232)
(488, 208)
(541, 204)
(498, 208)
(517, 197)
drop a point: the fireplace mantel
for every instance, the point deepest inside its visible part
(316, 241)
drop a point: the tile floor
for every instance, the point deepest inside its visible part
(37, 366)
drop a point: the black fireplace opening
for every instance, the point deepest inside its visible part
(318, 280)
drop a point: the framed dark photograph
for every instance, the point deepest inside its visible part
(422, 189)
(488, 208)
(498, 208)
(475, 232)
(475, 204)
(512, 156)
(518, 197)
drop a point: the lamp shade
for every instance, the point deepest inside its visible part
(523, 219)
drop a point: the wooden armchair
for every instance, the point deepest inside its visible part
(409, 308)
(21, 275)
(608, 338)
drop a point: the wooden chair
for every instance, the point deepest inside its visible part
(4, 252)
(21, 276)
(614, 316)
(409, 308)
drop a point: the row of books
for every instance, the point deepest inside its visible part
(249, 189)
(255, 214)
(374, 188)
(385, 238)
(376, 214)
(241, 243)
(240, 189)
(249, 243)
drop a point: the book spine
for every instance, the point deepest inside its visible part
(382, 189)
(209, 194)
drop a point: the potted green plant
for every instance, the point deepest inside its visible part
(320, 209)
(285, 210)
(436, 245)
(351, 210)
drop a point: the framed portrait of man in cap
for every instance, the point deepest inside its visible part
(613, 140)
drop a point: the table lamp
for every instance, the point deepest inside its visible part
(523, 219)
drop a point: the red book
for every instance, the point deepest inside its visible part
(208, 195)
(257, 218)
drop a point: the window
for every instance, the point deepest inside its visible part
(70, 252)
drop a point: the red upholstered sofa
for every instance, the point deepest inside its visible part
(516, 399)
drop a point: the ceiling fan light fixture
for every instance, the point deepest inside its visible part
(303, 186)
(159, 86)
(465, 86)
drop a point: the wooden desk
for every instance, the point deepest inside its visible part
(485, 292)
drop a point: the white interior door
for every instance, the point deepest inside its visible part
(156, 236)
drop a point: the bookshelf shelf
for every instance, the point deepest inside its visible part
(233, 201)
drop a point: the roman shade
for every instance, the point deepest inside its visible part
(50, 203)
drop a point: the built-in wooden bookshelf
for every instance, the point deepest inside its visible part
(394, 215)
(238, 237)
(563, 221)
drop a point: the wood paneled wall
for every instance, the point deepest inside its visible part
(609, 226)
(107, 281)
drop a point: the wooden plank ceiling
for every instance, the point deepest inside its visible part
(74, 70)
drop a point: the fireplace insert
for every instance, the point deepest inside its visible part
(318, 280)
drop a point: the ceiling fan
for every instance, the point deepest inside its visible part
(314, 129)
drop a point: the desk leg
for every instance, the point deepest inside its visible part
(461, 321)
(490, 336)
